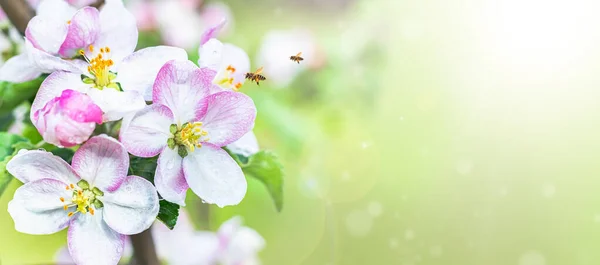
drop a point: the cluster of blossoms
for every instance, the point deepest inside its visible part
(167, 106)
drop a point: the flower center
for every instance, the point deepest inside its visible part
(225, 79)
(99, 68)
(84, 198)
(189, 136)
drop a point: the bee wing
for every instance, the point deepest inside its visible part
(299, 54)
(258, 71)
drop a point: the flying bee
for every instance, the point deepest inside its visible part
(256, 76)
(297, 58)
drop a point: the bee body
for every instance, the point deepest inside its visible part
(297, 58)
(256, 76)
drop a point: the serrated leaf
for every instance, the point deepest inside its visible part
(265, 166)
(168, 213)
(13, 94)
(143, 167)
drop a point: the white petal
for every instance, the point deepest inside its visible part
(246, 146)
(229, 116)
(238, 58)
(138, 70)
(244, 245)
(211, 54)
(63, 256)
(19, 69)
(48, 63)
(214, 176)
(47, 33)
(118, 30)
(53, 86)
(59, 9)
(132, 208)
(37, 209)
(28, 166)
(116, 104)
(91, 241)
(103, 162)
(198, 248)
(169, 180)
(146, 134)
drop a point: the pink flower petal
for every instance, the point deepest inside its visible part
(182, 86)
(229, 116)
(79, 107)
(91, 241)
(28, 166)
(103, 162)
(214, 176)
(118, 30)
(48, 63)
(37, 209)
(169, 180)
(84, 29)
(212, 32)
(52, 87)
(147, 133)
(46, 33)
(132, 208)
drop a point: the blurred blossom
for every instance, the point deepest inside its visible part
(67, 120)
(19, 114)
(233, 244)
(276, 49)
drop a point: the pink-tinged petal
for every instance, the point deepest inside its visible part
(48, 63)
(169, 180)
(228, 229)
(219, 57)
(229, 116)
(206, 241)
(63, 256)
(37, 209)
(116, 104)
(103, 162)
(238, 58)
(212, 32)
(28, 166)
(138, 70)
(46, 33)
(84, 29)
(147, 133)
(91, 241)
(118, 30)
(79, 107)
(243, 246)
(132, 208)
(19, 69)
(182, 86)
(214, 13)
(52, 87)
(179, 25)
(62, 126)
(246, 146)
(55, 8)
(214, 176)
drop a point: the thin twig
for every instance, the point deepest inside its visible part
(144, 252)
(18, 12)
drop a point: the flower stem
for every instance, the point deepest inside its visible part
(18, 12)
(144, 252)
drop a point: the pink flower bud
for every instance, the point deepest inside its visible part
(68, 120)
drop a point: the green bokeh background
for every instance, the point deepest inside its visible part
(438, 132)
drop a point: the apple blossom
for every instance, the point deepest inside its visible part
(187, 126)
(67, 120)
(94, 197)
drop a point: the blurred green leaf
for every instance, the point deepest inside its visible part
(6, 120)
(13, 94)
(10, 144)
(168, 213)
(264, 166)
(64, 153)
(143, 167)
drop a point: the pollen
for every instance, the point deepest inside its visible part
(230, 69)
(70, 214)
(65, 207)
(72, 186)
(91, 48)
(237, 86)
(191, 135)
(62, 199)
(68, 22)
(99, 67)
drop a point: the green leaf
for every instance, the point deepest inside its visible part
(5, 177)
(168, 213)
(64, 153)
(13, 94)
(7, 142)
(264, 166)
(143, 167)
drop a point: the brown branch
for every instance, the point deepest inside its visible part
(144, 252)
(18, 12)
(98, 4)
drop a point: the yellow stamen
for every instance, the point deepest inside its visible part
(230, 69)
(62, 199)
(102, 51)
(237, 86)
(91, 48)
(67, 187)
(72, 186)
(70, 214)
(65, 207)
(91, 211)
(107, 49)
(99, 68)
(68, 22)
(192, 135)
